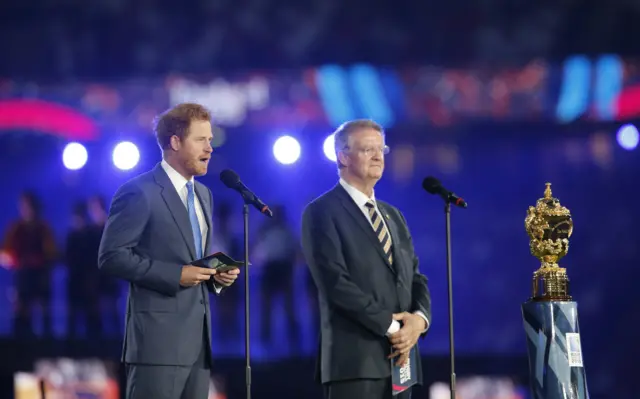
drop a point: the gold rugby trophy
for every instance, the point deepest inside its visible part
(549, 226)
(556, 370)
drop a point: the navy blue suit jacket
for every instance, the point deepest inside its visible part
(358, 289)
(146, 241)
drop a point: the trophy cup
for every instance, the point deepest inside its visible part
(556, 370)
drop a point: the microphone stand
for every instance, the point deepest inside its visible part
(447, 211)
(245, 213)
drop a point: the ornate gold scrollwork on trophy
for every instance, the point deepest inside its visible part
(549, 226)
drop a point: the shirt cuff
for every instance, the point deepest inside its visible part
(394, 327)
(419, 313)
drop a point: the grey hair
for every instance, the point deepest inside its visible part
(342, 133)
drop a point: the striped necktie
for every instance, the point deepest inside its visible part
(381, 230)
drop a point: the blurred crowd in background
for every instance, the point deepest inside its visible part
(105, 39)
(93, 302)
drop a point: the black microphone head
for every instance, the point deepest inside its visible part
(230, 178)
(432, 185)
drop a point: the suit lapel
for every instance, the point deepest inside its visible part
(361, 220)
(201, 192)
(176, 208)
(403, 268)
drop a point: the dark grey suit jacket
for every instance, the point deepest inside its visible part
(146, 241)
(358, 289)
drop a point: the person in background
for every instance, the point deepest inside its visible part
(278, 249)
(108, 288)
(82, 283)
(229, 305)
(31, 246)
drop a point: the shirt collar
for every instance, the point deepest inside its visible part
(358, 196)
(178, 181)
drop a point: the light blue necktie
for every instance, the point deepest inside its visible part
(195, 226)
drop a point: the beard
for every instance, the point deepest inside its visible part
(195, 167)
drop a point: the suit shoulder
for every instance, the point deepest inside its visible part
(137, 184)
(322, 202)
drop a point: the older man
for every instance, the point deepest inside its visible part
(374, 302)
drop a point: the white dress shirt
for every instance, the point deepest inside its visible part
(180, 184)
(361, 200)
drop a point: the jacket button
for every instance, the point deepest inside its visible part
(202, 302)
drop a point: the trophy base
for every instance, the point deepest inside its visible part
(556, 369)
(550, 283)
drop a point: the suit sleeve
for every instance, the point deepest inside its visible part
(323, 253)
(420, 295)
(118, 257)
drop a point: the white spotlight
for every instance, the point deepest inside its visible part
(328, 147)
(74, 156)
(286, 150)
(126, 155)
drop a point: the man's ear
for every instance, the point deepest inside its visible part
(342, 158)
(175, 143)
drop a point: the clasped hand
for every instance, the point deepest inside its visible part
(405, 338)
(193, 275)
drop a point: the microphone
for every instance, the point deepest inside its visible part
(433, 186)
(232, 180)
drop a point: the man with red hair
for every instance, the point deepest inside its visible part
(159, 223)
